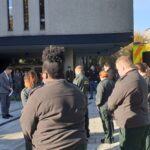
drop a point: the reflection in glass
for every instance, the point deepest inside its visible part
(42, 15)
(10, 15)
(26, 14)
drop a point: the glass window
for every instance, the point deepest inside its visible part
(10, 15)
(26, 14)
(42, 15)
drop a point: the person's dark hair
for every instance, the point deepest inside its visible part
(53, 61)
(9, 67)
(108, 64)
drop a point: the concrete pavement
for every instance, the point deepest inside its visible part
(15, 109)
(96, 131)
(11, 137)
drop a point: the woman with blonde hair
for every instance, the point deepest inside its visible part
(30, 82)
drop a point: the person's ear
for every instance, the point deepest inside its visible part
(123, 67)
(46, 75)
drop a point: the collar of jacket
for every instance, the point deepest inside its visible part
(121, 78)
(55, 81)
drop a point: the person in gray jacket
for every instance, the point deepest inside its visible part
(104, 89)
(53, 118)
(128, 103)
(6, 91)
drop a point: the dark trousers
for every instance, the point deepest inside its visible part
(81, 147)
(133, 138)
(107, 123)
(87, 124)
(28, 144)
(5, 104)
(148, 139)
(93, 85)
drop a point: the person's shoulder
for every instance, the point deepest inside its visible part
(36, 89)
(86, 80)
(1, 74)
(110, 81)
(73, 86)
(25, 91)
(81, 76)
(78, 78)
(104, 83)
(100, 86)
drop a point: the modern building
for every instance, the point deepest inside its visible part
(84, 27)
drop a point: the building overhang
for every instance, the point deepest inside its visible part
(84, 44)
(66, 39)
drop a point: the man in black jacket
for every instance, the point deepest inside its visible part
(69, 75)
(128, 102)
(104, 90)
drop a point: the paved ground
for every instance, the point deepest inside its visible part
(11, 137)
(15, 109)
(97, 131)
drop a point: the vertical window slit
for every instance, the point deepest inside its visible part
(42, 14)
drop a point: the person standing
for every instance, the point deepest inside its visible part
(83, 83)
(92, 75)
(128, 103)
(30, 82)
(54, 116)
(69, 75)
(144, 72)
(104, 90)
(6, 91)
(17, 78)
(112, 74)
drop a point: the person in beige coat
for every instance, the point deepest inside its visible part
(128, 103)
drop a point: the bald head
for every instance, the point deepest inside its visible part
(124, 60)
(79, 69)
(123, 65)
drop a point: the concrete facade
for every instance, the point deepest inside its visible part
(67, 17)
(69, 59)
(83, 27)
(3, 20)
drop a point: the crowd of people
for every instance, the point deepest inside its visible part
(55, 110)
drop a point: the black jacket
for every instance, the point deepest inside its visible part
(104, 89)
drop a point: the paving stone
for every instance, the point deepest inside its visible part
(11, 137)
